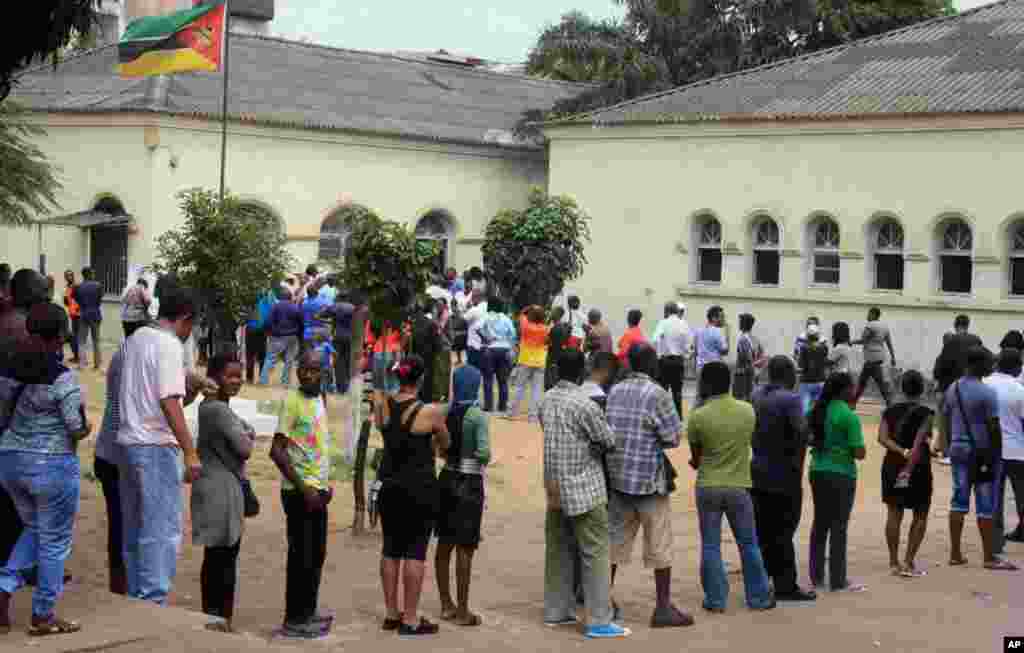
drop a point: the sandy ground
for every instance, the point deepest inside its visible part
(952, 609)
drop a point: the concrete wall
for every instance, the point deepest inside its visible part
(645, 186)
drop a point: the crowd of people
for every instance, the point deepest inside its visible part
(608, 415)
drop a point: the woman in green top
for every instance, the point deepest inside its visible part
(462, 495)
(837, 443)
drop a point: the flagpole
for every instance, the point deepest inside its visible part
(224, 108)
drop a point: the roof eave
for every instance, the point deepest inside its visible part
(286, 124)
(705, 118)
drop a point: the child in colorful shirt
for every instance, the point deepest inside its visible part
(302, 452)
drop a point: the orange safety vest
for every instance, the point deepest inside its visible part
(74, 310)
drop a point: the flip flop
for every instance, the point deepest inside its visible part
(55, 627)
(1001, 565)
(957, 562)
(473, 621)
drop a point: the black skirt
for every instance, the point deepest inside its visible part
(461, 509)
(916, 497)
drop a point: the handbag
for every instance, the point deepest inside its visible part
(250, 502)
(982, 466)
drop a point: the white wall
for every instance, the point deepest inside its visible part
(643, 185)
(301, 176)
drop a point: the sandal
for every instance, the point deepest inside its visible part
(449, 614)
(472, 621)
(1001, 565)
(424, 628)
(957, 562)
(391, 624)
(54, 627)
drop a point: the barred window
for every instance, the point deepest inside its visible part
(825, 252)
(888, 256)
(1017, 260)
(956, 261)
(767, 257)
(709, 250)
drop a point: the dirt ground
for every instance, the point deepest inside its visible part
(952, 609)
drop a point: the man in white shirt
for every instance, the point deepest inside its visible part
(672, 342)
(154, 435)
(474, 317)
(1010, 396)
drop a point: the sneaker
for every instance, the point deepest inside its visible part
(609, 631)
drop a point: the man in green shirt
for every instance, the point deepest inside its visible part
(720, 434)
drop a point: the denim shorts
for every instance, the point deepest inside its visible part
(984, 493)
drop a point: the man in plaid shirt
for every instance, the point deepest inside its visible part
(576, 437)
(644, 419)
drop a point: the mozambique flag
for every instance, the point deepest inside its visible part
(175, 43)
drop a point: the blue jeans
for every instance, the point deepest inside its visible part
(809, 395)
(736, 505)
(45, 491)
(286, 347)
(986, 494)
(151, 507)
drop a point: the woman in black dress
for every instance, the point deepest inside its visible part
(408, 501)
(905, 432)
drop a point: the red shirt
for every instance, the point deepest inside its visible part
(632, 336)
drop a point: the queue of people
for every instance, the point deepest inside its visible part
(606, 473)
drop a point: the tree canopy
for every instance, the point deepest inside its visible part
(386, 263)
(530, 254)
(29, 183)
(662, 44)
(44, 28)
(230, 252)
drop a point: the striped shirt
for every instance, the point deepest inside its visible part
(106, 442)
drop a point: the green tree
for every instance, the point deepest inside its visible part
(530, 254)
(386, 263)
(45, 27)
(229, 252)
(667, 43)
(28, 183)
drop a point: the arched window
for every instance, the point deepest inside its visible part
(333, 237)
(955, 254)
(824, 241)
(767, 255)
(709, 249)
(1016, 258)
(887, 240)
(437, 226)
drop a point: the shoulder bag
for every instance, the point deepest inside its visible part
(982, 464)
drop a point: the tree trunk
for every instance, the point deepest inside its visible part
(359, 478)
